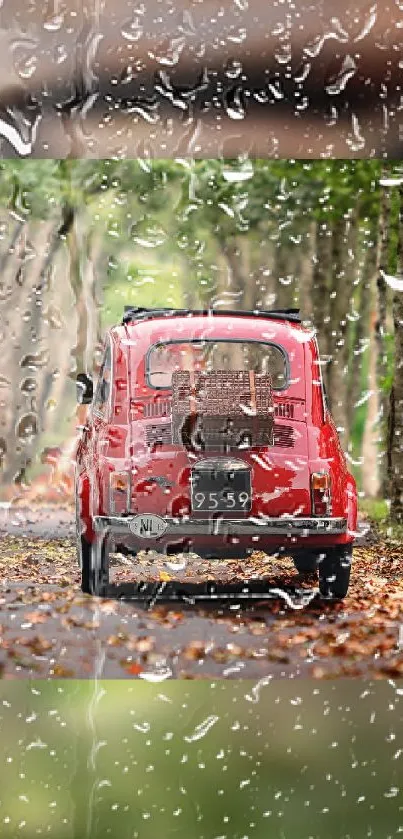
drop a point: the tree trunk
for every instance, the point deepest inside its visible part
(306, 274)
(364, 303)
(235, 282)
(251, 291)
(395, 442)
(380, 325)
(322, 273)
(8, 253)
(370, 461)
(25, 358)
(78, 352)
(282, 267)
(339, 300)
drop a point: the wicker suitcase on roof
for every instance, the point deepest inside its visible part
(231, 408)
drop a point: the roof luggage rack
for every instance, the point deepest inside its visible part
(133, 313)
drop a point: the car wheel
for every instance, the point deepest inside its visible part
(334, 572)
(78, 525)
(84, 558)
(94, 561)
(305, 562)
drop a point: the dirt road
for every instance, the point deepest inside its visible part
(256, 619)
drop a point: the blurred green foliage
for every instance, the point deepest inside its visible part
(201, 760)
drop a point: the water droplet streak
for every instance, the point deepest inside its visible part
(202, 729)
(22, 146)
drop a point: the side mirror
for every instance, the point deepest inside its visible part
(85, 389)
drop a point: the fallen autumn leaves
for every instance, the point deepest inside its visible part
(49, 629)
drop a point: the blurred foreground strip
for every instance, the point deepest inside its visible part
(101, 80)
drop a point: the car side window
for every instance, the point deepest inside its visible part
(103, 389)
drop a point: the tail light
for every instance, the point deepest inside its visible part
(120, 492)
(321, 494)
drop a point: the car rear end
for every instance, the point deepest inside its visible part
(224, 481)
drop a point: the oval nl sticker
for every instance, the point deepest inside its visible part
(148, 526)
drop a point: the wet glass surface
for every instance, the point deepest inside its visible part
(305, 740)
(206, 759)
(200, 79)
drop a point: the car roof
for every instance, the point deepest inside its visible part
(188, 322)
(137, 313)
(176, 325)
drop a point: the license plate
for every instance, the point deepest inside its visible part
(221, 492)
(148, 526)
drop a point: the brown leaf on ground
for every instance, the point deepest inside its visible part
(36, 617)
(134, 669)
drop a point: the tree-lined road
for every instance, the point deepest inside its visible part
(324, 235)
(48, 628)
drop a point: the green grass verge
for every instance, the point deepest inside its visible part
(377, 510)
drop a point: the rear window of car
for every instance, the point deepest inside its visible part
(165, 358)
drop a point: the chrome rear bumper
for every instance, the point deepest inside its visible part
(120, 526)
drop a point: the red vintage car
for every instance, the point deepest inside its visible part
(209, 432)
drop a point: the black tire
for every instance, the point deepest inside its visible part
(84, 553)
(334, 572)
(306, 562)
(94, 562)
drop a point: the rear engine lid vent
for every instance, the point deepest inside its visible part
(159, 435)
(157, 408)
(284, 436)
